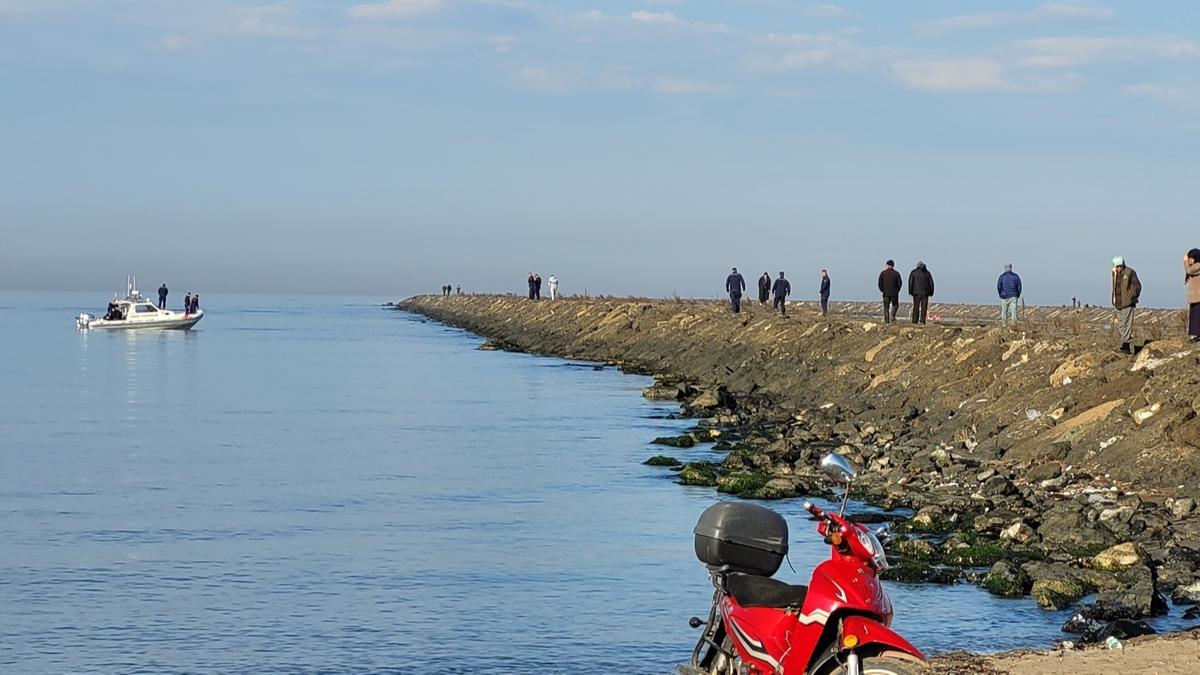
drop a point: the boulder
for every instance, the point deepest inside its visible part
(1065, 526)
(1007, 580)
(1135, 598)
(1056, 594)
(1082, 621)
(662, 460)
(1119, 557)
(682, 441)
(698, 473)
(1042, 472)
(1019, 533)
(1181, 507)
(1189, 594)
(1122, 630)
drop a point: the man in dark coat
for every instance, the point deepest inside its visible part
(824, 292)
(1126, 291)
(781, 289)
(735, 285)
(187, 303)
(162, 296)
(537, 286)
(195, 303)
(920, 287)
(764, 288)
(889, 285)
(531, 285)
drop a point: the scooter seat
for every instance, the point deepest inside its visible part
(754, 591)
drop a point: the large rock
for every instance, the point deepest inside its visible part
(1119, 557)
(1056, 594)
(1136, 598)
(1007, 580)
(1122, 630)
(1065, 526)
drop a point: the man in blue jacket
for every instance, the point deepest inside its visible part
(735, 285)
(824, 292)
(1009, 288)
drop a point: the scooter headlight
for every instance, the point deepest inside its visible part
(872, 544)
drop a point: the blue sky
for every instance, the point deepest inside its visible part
(628, 147)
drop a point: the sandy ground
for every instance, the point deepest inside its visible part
(1177, 654)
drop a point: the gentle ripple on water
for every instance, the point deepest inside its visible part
(314, 485)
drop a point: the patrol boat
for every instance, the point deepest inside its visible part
(135, 312)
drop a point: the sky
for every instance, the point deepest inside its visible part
(387, 147)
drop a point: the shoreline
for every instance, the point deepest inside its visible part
(1080, 498)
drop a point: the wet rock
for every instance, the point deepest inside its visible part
(1119, 557)
(1083, 621)
(1192, 613)
(1066, 526)
(742, 482)
(1121, 629)
(698, 473)
(662, 460)
(682, 441)
(1056, 593)
(917, 572)
(918, 549)
(1007, 579)
(1135, 599)
(1189, 594)
(1019, 533)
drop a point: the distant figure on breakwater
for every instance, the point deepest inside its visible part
(824, 292)
(537, 286)
(162, 296)
(920, 287)
(781, 289)
(1126, 289)
(187, 303)
(890, 284)
(1191, 277)
(764, 288)
(735, 285)
(553, 287)
(458, 290)
(531, 285)
(1009, 288)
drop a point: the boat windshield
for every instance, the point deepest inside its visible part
(145, 309)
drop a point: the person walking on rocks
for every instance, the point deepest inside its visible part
(735, 285)
(764, 288)
(889, 285)
(553, 287)
(920, 287)
(781, 289)
(1009, 288)
(1126, 289)
(824, 292)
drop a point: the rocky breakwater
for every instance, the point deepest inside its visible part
(1036, 462)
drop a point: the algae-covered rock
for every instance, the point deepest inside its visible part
(742, 482)
(682, 441)
(698, 473)
(662, 460)
(1007, 580)
(918, 572)
(1056, 593)
(1119, 557)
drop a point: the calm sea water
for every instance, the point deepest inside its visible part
(317, 485)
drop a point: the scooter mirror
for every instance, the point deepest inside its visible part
(838, 468)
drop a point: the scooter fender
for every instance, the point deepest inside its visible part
(863, 631)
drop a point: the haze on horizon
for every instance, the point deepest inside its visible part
(387, 147)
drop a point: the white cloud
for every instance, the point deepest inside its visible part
(643, 16)
(548, 80)
(1152, 90)
(952, 75)
(1053, 12)
(798, 51)
(1071, 52)
(665, 85)
(394, 9)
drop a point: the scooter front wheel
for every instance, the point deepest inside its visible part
(882, 665)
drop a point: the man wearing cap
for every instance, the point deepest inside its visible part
(1009, 288)
(1126, 288)
(889, 285)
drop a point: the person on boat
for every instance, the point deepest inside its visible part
(195, 303)
(110, 314)
(187, 303)
(162, 296)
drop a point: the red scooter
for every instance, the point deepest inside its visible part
(837, 625)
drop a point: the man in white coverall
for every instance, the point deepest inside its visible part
(553, 287)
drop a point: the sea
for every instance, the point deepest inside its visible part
(318, 484)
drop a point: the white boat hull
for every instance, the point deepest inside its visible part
(161, 321)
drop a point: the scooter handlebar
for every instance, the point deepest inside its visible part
(814, 509)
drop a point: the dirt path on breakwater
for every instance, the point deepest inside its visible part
(1171, 655)
(1038, 461)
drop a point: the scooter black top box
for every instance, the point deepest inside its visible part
(744, 537)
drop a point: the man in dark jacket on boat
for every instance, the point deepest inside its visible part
(920, 287)
(735, 285)
(162, 296)
(889, 286)
(187, 303)
(781, 289)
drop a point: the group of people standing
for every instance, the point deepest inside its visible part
(450, 289)
(920, 287)
(191, 303)
(735, 286)
(535, 286)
